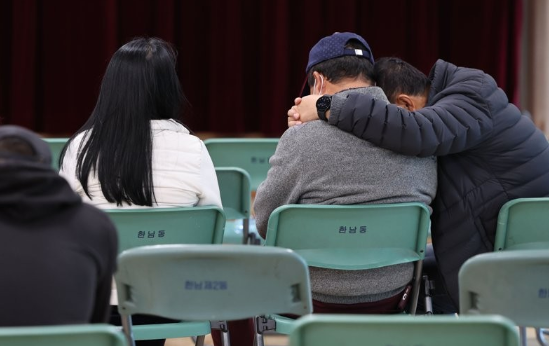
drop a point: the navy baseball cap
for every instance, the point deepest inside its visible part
(333, 46)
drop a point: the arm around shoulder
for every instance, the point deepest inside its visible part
(447, 127)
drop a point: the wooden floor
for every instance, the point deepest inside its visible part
(270, 340)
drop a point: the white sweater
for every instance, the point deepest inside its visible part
(183, 172)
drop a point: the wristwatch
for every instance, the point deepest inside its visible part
(323, 105)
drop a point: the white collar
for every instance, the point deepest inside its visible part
(168, 124)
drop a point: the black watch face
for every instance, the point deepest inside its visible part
(323, 103)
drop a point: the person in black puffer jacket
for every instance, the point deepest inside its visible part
(488, 153)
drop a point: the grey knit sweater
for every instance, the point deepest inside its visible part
(316, 163)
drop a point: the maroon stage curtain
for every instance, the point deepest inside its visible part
(241, 63)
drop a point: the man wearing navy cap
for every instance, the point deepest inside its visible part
(318, 164)
(57, 254)
(315, 163)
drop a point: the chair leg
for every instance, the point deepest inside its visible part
(258, 339)
(522, 334)
(224, 328)
(245, 231)
(540, 336)
(416, 286)
(199, 340)
(127, 329)
(225, 341)
(428, 300)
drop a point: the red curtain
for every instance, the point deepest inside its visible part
(241, 63)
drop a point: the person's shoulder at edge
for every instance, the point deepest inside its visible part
(444, 74)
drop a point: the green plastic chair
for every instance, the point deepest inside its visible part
(65, 335)
(329, 330)
(210, 282)
(351, 237)
(523, 223)
(56, 146)
(234, 185)
(514, 284)
(155, 226)
(250, 154)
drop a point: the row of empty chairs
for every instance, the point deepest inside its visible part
(312, 330)
(513, 281)
(250, 154)
(512, 273)
(373, 237)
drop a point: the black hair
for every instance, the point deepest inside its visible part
(348, 66)
(395, 76)
(139, 85)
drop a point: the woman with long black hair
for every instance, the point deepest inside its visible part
(134, 150)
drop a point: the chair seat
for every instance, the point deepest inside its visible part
(330, 329)
(63, 335)
(284, 325)
(529, 246)
(171, 330)
(234, 230)
(356, 258)
(232, 213)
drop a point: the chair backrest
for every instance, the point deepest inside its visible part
(212, 282)
(66, 335)
(523, 223)
(250, 154)
(236, 195)
(154, 226)
(514, 284)
(56, 146)
(351, 237)
(321, 330)
(234, 185)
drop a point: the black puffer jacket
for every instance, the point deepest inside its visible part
(488, 154)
